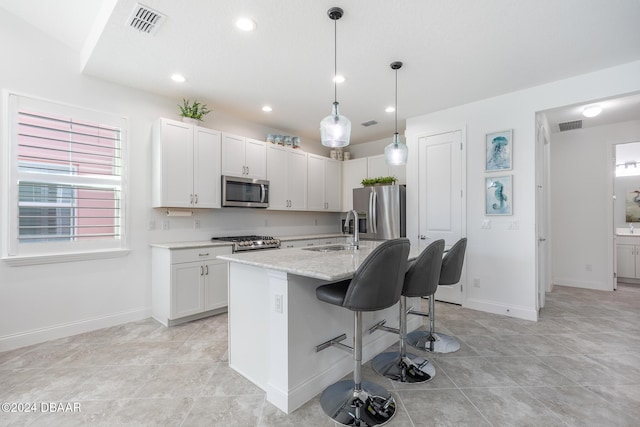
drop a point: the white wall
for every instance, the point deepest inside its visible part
(581, 177)
(504, 260)
(49, 301)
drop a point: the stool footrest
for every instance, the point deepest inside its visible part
(417, 313)
(380, 326)
(334, 342)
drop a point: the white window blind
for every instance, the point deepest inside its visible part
(68, 173)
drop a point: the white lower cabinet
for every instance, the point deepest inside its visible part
(188, 283)
(627, 260)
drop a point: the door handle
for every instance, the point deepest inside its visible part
(422, 237)
(542, 239)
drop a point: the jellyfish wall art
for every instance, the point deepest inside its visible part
(499, 149)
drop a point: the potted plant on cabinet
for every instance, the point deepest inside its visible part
(192, 112)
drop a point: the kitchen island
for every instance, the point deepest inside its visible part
(275, 320)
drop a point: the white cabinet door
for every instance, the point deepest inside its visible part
(626, 261)
(186, 289)
(173, 164)
(206, 161)
(377, 166)
(255, 159)
(333, 185)
(215, 284)
(353, 172)
(315, 182)
(233, 155)
(278, 177)
(297, 179)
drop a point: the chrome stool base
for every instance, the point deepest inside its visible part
(439, 343)
(408, 369)
(371, 406)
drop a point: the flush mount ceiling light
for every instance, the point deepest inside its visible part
(245, 24)
(179, 78)
(591, 110)
(267, 109)
(335, 130)
(339, 79)
(396, 153)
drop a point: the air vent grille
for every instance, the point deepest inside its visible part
(576, 124)
(145, 19)
(369, 123)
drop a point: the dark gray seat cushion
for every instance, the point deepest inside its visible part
(423, 275)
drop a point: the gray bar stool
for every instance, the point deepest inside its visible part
(376, 285)
(421, 280)
(433, 341)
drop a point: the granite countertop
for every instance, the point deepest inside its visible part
(189, 245)
(211, 243)
(330, 266)
(311, 236)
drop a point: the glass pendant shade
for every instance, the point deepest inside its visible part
(396, 153)
(335, 129)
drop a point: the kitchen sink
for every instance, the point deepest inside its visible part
(332, 248)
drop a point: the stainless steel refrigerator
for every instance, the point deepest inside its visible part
(381, 211)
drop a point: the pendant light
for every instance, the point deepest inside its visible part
(396, 153)
(335, 129)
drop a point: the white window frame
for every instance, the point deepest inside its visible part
(16, 253)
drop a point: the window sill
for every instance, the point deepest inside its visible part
(17, 261)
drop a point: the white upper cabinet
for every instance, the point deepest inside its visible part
(287, 175)
(324, 184)
(243, 157)
(353, 172)
(377, 166)
(186, 165)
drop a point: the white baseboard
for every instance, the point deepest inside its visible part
(526, 313)
(599, 286)
(36, 336)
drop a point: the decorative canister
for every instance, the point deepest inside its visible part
(296, 142)
(288, 141)
(340, 155)
(278, 139)
(333, 154)
(346, 155)
(271, 138)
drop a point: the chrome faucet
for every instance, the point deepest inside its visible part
(356, 235)
(630, 228)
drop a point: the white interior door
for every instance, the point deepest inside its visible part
(543, 283)
(441, 197)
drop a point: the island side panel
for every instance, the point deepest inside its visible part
(249, 322)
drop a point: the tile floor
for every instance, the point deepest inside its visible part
(578, 366)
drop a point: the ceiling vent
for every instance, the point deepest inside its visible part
(369, 123)
(145, 19)
(576, 124)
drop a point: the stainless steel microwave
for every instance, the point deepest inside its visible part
(244, 192)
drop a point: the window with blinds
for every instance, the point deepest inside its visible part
(68, 170)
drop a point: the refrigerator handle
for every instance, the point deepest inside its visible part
(370, 228)
(374, 220)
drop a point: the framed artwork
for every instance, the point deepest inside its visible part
(499, 151)
(632, 205)
(499, 195)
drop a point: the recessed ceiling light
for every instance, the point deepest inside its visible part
(246, 24)
(339, 79)
(267, 109)
(592, 110)
(390, 109)
(178, 78)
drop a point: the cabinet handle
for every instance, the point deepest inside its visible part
(196, 199)
(201, 270)
(207, 254)
(247, 170)
(206, 269)
(191, 198)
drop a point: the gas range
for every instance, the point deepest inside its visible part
(249, 243)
